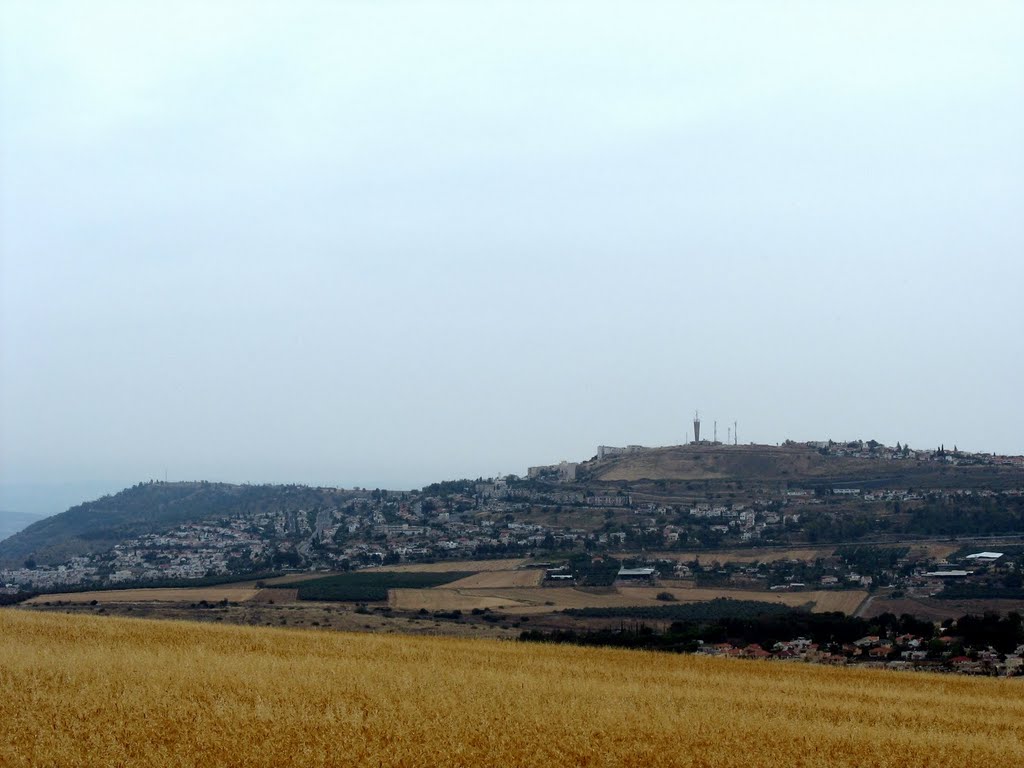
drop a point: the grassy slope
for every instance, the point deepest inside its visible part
(791, 464)
(92, 691)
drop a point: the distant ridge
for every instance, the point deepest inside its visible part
(96, 526)
(12, 522)
(669, 475)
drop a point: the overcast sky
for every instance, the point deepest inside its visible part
(387, 243)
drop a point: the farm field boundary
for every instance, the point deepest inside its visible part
(551, 599)
(231, 592)
(370, 585)
(475, 566)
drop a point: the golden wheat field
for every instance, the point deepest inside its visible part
(92, 691)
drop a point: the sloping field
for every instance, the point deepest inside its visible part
(939, 610)
(232, 592)
(456, 565)
(935, 549)
(771, 555)
(500, 579)
(743, 462)
(104, 692)
(806, 554)
(441, 599)
(293, 578)
(550, 599)
(822, 601)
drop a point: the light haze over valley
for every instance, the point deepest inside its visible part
(389, 244)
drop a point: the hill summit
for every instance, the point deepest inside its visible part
(802, 464)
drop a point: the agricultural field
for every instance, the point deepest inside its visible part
(233, 592)
(500, 579)
(82, 690)
(939, 610)
(551, 599)
(807, 554)
(459, 585)
(292, 578)
(508, 600)
(444, 566)
(936, 550)
(820, 601)
(371, 585)
(278, 608)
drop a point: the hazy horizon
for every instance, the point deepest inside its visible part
(384, 245)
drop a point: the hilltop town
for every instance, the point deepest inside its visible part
(855, 492)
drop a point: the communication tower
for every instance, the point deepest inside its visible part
(696, 426)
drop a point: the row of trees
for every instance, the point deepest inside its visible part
(829, 630)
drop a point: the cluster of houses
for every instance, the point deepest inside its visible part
(747, 522)
(872, 449)
(916, 576)
(190, 551)
(503, 516)
(903, 652)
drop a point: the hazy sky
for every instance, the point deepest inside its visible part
(386, 243)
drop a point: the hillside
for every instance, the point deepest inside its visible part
(793, 464)
(96, 526)
(698, 496)
(12, 522)
(134, 692)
